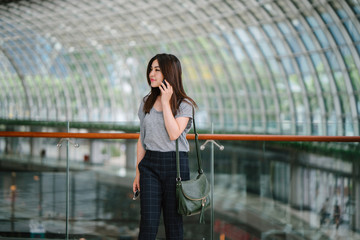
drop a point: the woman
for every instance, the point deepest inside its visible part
(165, 115)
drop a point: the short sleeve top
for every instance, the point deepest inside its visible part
(153, 134)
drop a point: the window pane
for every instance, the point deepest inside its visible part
(352, 30)
(288, 65)
(301, 61)
(355, 78)
(319, 66)
(307, 41)
(350, 63)
(292, 41)
(279, 46)
(322, 38)
(337, 35)
(269, 30)
(332, 60)
(266, 50)
(312, 21)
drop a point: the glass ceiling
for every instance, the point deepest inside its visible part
(255, 66)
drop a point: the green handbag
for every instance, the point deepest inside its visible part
(192, 195)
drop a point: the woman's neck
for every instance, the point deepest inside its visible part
(157, 104)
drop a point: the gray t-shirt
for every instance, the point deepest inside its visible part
(153, 133)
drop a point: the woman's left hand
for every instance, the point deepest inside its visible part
(166, 92)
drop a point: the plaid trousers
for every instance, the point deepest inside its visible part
(158, 192)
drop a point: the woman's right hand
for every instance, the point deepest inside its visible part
(140, 153)
(136, 183)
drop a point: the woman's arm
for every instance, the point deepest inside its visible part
(140, 153)
(173, 126)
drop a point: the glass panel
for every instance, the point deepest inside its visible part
(340, 81)
(287, 63)
(256, 33)
(265, 48)
(310, 83)
(334, 64)
(293, 43)
(33, 188)
(346, 53)
(356, 8)
(342, 14)
(352, 30)
(283, 28)
(301, 61)
(263, 191)
(322, 38)
(346, 105)
(355, 78)
(279, 46)
(327, 18)
(309, 44)
(312, 21)
(274, 66)
(252, 52)
(338, 36)
(329, 102)
(235, 47)
(101, 200)
(270, 30)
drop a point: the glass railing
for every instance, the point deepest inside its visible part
(56, 185)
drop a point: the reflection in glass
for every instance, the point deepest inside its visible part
(261, 189)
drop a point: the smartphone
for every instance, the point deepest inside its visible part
(136, 194)
(164, 83)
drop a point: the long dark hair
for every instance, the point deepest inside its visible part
(171, 69)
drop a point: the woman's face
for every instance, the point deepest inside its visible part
(156, 77)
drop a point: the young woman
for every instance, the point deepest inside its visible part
(165, 115)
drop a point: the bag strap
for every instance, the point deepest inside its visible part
(198, 156)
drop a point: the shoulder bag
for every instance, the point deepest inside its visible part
(192, 195)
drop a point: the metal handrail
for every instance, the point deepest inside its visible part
(230, 137)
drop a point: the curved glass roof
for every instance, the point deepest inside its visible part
(262, 66)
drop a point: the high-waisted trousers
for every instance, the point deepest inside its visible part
(158, 192)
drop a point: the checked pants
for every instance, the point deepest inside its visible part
(158, 193)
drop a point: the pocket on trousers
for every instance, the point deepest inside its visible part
(141, 163)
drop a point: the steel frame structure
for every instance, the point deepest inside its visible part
(269, 66)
